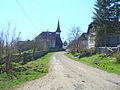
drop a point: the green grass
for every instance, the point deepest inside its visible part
(30, 71)
(99, 61)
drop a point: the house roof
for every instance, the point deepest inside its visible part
(84, 36)
(90, 26)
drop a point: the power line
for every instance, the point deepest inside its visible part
(41, 11)
(26, 15)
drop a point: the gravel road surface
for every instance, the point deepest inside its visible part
(67, 74)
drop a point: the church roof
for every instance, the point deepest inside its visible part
(45, 35)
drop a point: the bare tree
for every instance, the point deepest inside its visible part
(7, 52)
(9, 44)
(74, 34)
(1, 44)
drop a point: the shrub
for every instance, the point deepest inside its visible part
(72, 52)
(117, 56)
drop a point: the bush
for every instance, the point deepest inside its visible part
(117, 56)
(86, 53)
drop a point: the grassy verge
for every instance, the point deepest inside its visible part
(99, 61)
(22, 73)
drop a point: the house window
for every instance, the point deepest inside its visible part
(119, 39)
(91, 39)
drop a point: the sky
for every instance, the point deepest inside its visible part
(31, 17)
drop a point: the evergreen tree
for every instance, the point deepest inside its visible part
(114, 10)
(107, 13)
(106, 17)
(102, 14)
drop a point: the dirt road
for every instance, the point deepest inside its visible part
(66, 74)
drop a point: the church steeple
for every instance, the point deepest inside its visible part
(58, 28)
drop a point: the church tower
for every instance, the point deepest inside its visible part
(58, 39)
(58, 31)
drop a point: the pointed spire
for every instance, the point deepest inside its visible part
(58, 27)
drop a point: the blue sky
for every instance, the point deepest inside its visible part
(44, 15)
